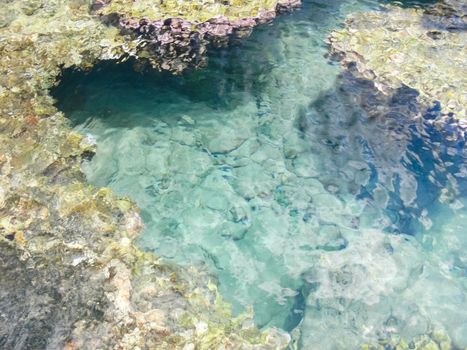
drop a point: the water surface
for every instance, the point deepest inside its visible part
(330, 209)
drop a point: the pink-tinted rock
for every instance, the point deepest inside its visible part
(176, 44)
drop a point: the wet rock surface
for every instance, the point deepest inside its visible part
(423, 49)
(70, 275)
(175, 36)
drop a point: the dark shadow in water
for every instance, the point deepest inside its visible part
(353, 121)
(219, 88)
(231, 72)
(398, 140)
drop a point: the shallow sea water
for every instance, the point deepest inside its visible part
(328, 208)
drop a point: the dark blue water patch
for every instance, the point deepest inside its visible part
(434, 155)
(432, 152)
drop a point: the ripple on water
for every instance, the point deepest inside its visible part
(310, 196)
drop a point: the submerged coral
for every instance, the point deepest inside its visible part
(422, 49)
(70, 274)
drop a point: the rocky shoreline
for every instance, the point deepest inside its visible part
(175, 44)
(70, 275)
(423, 49)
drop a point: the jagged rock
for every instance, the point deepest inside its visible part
(174, 37)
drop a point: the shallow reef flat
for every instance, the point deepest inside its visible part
(423, 49)
(70, 275)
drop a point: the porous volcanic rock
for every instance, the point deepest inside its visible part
(176, 35)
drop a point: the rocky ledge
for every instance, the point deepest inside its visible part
(423, 49)
(176, 35)
(70, 275)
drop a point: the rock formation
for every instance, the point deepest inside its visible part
(70, 275)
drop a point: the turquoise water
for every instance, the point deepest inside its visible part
(330, 209)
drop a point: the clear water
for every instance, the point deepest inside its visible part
(268, 168)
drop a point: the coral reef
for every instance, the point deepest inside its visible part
(175, 35)
(70, 275)
(422, 49)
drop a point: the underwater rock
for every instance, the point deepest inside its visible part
(70, 275)
(421, 49)
(435, 339)
(176, 35)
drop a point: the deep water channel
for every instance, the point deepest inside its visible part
(308, 195)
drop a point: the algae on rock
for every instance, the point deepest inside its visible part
(70, 275)
(193, 10)
(176, 35)
(422, 49)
